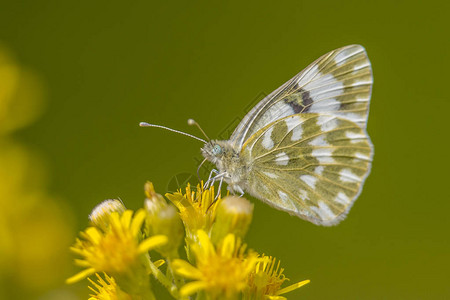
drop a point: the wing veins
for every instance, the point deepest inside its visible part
(351, 55)
(314, 192)
(258, 138)
(326, 64)
(299, 77)
(281, 188)
(302, 75)
(292, 90)
(331, 181)
(329, 82)
(344, 175)
(301, 141)
(362, 58)
(353, 91)
(313, 165)
(332, 54)
(319, 155)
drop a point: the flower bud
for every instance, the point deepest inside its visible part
(234, 215)
(100, 215)
(163, 218)
(151, 195)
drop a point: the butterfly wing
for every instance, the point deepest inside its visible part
(310, 165)
(338, 83)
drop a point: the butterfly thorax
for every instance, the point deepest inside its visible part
(228, 162)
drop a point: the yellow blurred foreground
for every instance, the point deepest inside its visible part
(35, 228)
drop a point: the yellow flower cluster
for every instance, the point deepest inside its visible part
(217, 264)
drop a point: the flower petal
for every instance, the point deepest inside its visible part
(293, 287)
(93, 235)
(152, 242)
(83, 274)
(82, 263)
(136, 224)
(227, 249)
(159, 263)
(206, 246)
(178, 200)
(185, 269)
(126, 218)
(192, 287)
(275, 297)
(77, 251)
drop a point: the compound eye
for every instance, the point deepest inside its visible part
(217, 150)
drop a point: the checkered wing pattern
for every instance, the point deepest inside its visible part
(339, 83)
(310, 165)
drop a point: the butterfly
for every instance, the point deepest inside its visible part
(304, 148)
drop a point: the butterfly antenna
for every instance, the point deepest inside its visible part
(144, 124)
(198, 170)
(192, 122)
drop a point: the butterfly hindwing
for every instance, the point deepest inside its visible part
(310, 165)
(338, 83)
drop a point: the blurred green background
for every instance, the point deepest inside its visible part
(100, 67)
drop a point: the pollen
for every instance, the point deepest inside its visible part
(197, 208)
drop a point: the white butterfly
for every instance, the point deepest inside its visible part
(304, 148)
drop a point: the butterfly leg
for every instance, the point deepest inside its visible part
(218, 190)
(212, 181)
(210, 178)
(238, 189)
(220, 176)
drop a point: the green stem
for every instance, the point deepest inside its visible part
(146, 294)
(176, 279)
(173, 290)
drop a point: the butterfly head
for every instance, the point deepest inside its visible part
(215, 151)
(212, 151)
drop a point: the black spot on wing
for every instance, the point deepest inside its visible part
(294, 104)
(300, 102)
(306, 100)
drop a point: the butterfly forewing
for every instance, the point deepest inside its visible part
(338, 83)
(310, 165)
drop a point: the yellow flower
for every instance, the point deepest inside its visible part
(115, 250)
(220, 271)
(266, 279)
(106, 290)
(197, 209)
